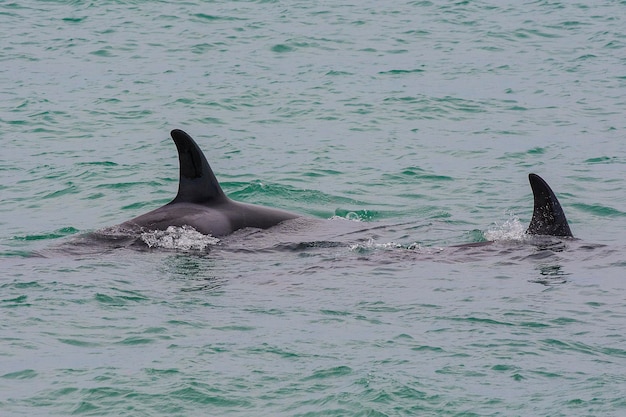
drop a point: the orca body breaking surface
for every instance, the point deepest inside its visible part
(201, 203)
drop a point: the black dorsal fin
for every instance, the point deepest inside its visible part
(197, 183)
(548, 216)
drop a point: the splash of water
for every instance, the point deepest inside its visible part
(179, 238)
(511, 229)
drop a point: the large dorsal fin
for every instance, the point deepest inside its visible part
(548, 216)
(197, 182)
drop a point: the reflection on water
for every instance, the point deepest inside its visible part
(551, 274)
(196, 273)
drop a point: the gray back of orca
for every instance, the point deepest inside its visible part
(548, 216)
(201, 203)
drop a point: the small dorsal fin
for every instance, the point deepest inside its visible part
(197, 183)
(548, 216)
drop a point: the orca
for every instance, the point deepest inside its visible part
(202, 204)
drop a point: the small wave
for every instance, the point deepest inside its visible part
(357, 215)
(352, 216)
(178, 238)
(65, 231)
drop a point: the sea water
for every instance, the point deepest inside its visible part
(417, 120)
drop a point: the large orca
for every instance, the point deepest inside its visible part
(201, 203)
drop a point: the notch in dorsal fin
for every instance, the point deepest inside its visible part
(548, 216)
(197, 183)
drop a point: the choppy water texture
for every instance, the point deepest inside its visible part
(424, 117)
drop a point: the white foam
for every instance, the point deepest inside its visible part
(355, 217)
(371, 244)
(178, 238)
(511, 229)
